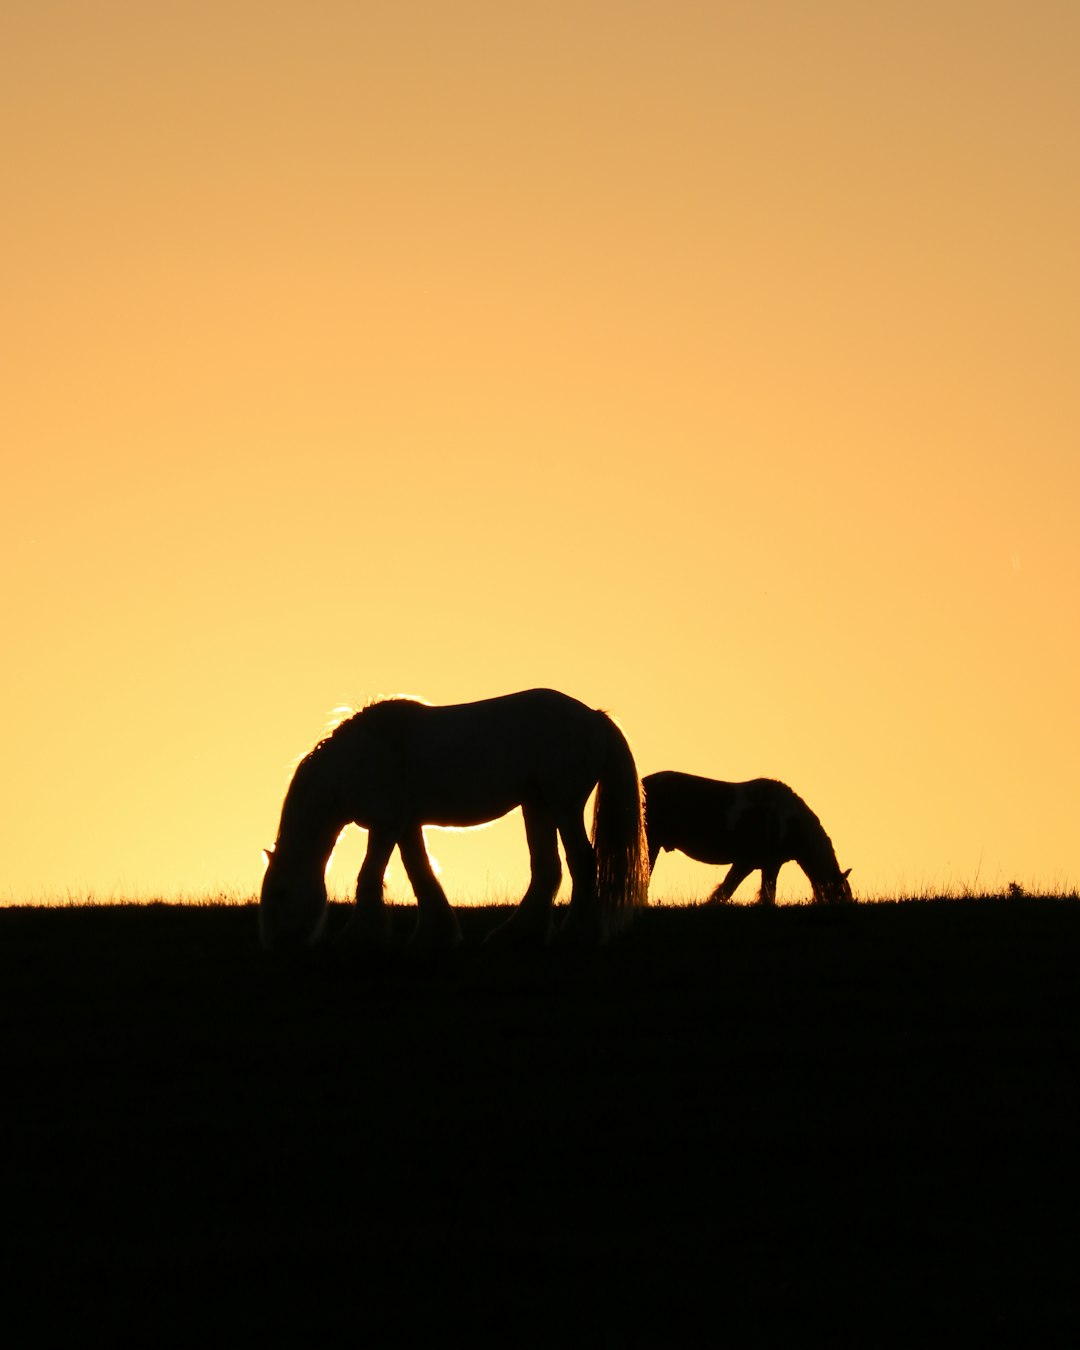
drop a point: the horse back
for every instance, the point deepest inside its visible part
(716, 822)
(467, 763)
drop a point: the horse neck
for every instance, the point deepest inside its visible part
(817, 857)
(311, 817)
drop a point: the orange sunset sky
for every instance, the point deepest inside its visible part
(714, 363)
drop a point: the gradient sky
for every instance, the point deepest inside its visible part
(714, 363)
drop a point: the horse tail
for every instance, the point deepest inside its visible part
(618, 834)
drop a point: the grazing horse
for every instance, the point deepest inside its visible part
(400, 764)
(760, 824)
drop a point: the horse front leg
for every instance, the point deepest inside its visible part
(437, 925)
(531, 923)
(369, 924)
(737, 874)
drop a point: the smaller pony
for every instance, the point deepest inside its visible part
(759, 824)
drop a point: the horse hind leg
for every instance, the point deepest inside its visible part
(531, 923)
(584, 921)
(437, 925)
(737, 874)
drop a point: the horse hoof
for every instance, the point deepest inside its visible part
(435, 941)
(581, 933)
(364, 935)
(516, 935)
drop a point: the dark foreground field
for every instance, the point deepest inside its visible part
(785, 1127)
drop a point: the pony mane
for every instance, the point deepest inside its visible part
(818, 842)
(374, 716)
(339, 737)
(352, 722)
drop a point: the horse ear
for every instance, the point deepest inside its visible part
(846, 874)
(268, 853)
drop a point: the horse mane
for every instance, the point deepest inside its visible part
(311, 767)
(371, 717)
(819, 850)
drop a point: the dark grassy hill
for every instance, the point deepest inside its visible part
(795, 1125)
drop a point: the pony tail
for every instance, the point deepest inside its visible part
(618, 835)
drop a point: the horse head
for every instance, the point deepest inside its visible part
(292, 905)
(835, 891)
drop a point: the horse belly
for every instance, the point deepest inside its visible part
(747, 836)
(477, 785)
(462, 809)
(704, 853)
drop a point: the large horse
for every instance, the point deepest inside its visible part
(760, 824)
(400, 764)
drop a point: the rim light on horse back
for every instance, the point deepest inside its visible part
(400, 764)
(761, 824)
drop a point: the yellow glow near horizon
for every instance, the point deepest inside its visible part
(714, 364)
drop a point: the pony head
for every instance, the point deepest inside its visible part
(835, 891)
(292, 905)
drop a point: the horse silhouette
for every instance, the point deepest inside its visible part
(760, 824)
(400, 764)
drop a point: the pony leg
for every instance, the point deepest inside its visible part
(437, 924)
(737, 874)
(531, 922)
(369, 922)
(583, 918)
(769, 874)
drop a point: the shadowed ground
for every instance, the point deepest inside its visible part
(857, 1126)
